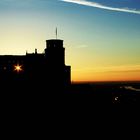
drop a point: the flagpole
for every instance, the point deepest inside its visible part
(56, 32)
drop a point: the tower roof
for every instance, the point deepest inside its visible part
(54, 40)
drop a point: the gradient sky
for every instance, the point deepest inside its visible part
(101, 37)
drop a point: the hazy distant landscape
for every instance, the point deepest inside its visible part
(108, 92)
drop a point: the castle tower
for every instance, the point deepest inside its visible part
(55, 52)
(55, 60)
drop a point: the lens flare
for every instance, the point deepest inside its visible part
(18, 68)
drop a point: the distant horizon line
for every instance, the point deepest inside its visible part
(114, 81)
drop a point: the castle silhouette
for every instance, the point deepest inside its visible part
(35, 68)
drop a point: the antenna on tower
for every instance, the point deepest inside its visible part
(56, 32)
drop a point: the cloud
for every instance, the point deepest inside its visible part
(101, 6)
(82, 46)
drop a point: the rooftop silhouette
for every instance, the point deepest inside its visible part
(46, 68)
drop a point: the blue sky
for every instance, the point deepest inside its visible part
(99, 35)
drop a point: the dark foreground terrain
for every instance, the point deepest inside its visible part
(48, 106)
(37, 94)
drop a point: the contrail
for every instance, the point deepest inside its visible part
(101, 6)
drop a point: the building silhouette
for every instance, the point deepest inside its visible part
(46, 68)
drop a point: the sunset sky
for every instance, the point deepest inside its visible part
(101, 37)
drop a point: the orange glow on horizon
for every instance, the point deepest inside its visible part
(99, 74)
